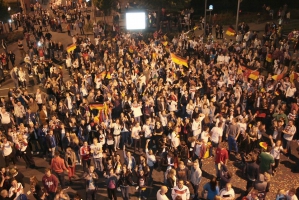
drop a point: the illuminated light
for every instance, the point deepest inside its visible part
(135, 20)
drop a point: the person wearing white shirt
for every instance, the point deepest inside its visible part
(290, 93)
(196, 125)
(136, 136)
(97, 153)
(181, 190)
(205, 135)
(116, 133)
(7, 152)
(161, 194)
(172, 106)
(216, 137)
(147, 131)
(136, 108)
(289, 133)
(228, 192)
(16, 188)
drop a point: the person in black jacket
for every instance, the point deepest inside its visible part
(251, 171)
(124, 181)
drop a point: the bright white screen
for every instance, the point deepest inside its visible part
(135, 21)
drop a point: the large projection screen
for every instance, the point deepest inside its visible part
(135, 20)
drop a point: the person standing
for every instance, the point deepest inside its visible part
(136, 136)
(111, 185)
(289, 133)
(58, 166)
(6, 147)
(251, 171)
(51, 143)
(124, 182)
(221, 158)
(116, 133)
(85, 156)
(50, 183)
(70, 162)
(91, 179)
(266, 161)
(180, 190)
(97, 153)
(233, 133)
(161, 194)
(21, 48)
(196, 174)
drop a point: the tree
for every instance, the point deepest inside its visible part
(105, 5)
(4, 15)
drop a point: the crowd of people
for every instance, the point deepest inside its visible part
(228, 100)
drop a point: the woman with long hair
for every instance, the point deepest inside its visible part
(124, 181)
(35, 188)
(211, 189)
(70, 162)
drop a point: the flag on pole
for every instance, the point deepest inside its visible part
(277, 77)
(230, 31)
(178, 60)
(96, 106)
(254, 75)
(71, 48)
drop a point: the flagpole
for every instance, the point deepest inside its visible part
(237, 18)
(205, 21)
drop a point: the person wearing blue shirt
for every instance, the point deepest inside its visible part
(211, 189)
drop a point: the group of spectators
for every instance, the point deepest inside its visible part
(230, 100)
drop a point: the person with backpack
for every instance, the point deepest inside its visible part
(112, 185)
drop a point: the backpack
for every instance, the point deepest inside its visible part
(111, 184)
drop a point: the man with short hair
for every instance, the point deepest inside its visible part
(180, 190)
(233, 133)
(58, 166)
(221, 158)
(50, 183)
(196, 174)
(266, 161)
(161, 194)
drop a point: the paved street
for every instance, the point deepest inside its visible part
(284, 179)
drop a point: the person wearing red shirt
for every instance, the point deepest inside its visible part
(221, 158)
(58, 166)
(50, 183)
(85, 156)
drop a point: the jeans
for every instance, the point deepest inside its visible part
(232, 144)
(125, 137)
(217, 171)
(112, 193)
(125, 192)
(287, 146)
(98, 163)
(86, 164)
(60, 177)
(116, 141)
(91, 194)
(214, 145)
(195, 188)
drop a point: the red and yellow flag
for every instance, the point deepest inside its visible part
(96, 106)
(293, 76)
(71, 48)
(254, 75)
(269, 57)
(106, 74)
(178, 60)
(277, 77)
(230, 31)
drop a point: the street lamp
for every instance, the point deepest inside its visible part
(9, 9)
(205, 22)
(210, 9)
(237, 17)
